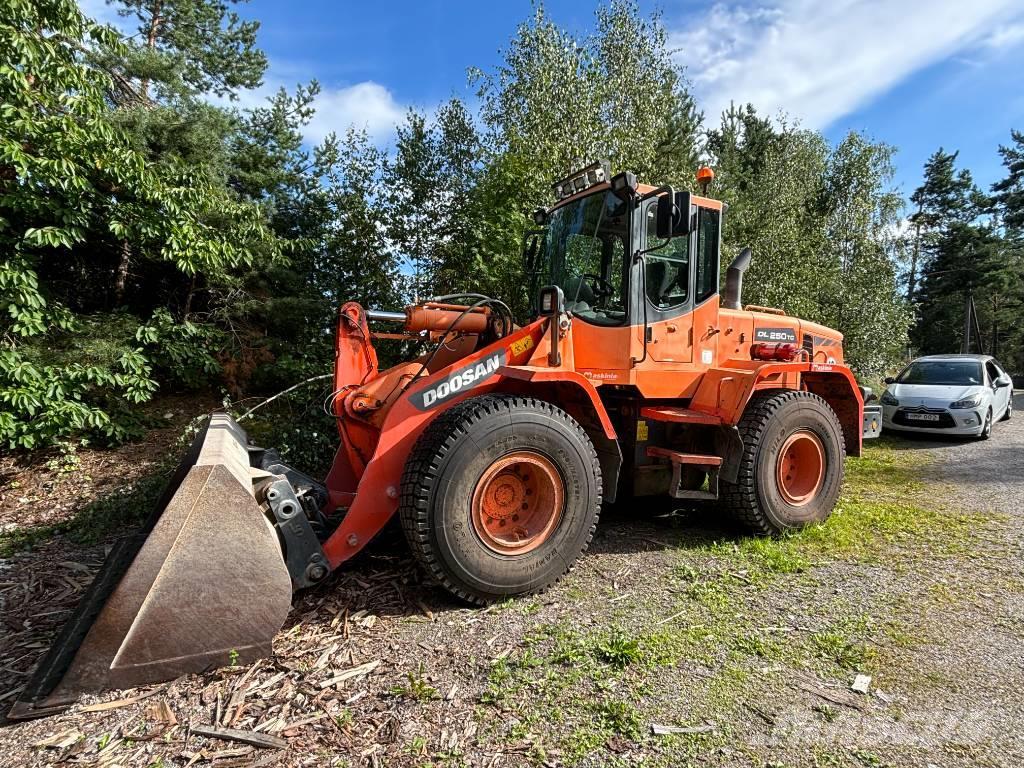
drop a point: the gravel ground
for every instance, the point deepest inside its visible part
(749, 647)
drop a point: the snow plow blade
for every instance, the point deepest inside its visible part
(202, 585)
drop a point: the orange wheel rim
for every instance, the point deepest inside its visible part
(801, 468)
(517, 503)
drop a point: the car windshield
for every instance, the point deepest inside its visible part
(584, 253)
(950, 372)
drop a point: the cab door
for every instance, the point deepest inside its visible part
(666, 294)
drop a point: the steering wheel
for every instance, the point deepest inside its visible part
(601, 286)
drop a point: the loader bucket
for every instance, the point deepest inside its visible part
(203, 584)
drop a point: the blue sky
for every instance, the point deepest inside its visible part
(915, 73)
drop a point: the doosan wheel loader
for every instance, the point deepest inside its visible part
(496, 447)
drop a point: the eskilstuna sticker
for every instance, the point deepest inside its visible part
(518, 347)
(459, 381)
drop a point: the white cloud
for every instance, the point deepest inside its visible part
(366, 105)
(1006, 37)
(818, 61)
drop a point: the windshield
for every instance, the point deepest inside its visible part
(949, 372)
(584, 253)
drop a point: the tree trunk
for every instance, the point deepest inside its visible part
(121, 276)
(912, 278)
(154, 26)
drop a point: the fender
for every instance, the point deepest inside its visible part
(578, 396)
(725, 392)
(376, 492)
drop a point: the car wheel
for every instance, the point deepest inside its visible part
(1008, 413)
(986, 430)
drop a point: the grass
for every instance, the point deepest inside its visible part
(416, 687)
(589, 686)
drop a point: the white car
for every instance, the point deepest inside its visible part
(948, 395)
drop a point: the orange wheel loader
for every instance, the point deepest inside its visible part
(496, 447)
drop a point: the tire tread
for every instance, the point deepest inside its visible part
(422, 470)
(740, 498)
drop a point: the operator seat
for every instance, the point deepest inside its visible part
(579, 296)
(660, 278)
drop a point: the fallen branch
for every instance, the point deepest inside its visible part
(262, 740)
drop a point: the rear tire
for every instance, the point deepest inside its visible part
(500, 496)
(1008, 413)
(791, 469)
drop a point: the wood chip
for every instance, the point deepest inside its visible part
(426, 611)
(360, 671)
(668, 730)
(61, 740)
(104, 706)
(262, 740)
(162, 713)
(861, 683)
(836, 697)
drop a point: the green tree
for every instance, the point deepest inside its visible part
(955, 248)
(943, 197)
(71, 187)
(1007, 279)
(819, 220)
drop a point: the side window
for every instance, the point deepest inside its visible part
(993, 372)
(667, 274)
(707, 253)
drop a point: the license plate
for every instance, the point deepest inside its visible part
(923, 416)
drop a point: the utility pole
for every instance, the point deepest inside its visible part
(965, 345)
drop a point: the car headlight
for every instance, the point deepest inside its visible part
(968, 402)
(888, 399)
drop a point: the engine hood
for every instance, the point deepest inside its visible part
(913, 394)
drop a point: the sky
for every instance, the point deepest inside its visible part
(917, 74)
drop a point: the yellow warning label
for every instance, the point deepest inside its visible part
(518, 347)
(641, 431)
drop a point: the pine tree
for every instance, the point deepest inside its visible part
(1008, 279)
(954, 248)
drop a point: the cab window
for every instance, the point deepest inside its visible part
(708, 221)
(667, 270)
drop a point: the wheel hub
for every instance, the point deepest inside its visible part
(517, 503)
(801, 468)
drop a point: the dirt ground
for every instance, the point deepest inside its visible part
(677, 640)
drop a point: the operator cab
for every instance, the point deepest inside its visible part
(592, 234)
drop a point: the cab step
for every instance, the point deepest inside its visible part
(679, 415)
(710, 464)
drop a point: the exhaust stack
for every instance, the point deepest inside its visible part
(734, 280)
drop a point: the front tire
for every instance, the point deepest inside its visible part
(986, 430)
(500, 496)
(791, 469)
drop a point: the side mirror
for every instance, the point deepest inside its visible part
(673, 215)
(1003, 381)
(889, 380)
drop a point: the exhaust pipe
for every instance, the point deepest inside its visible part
(734, 280)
